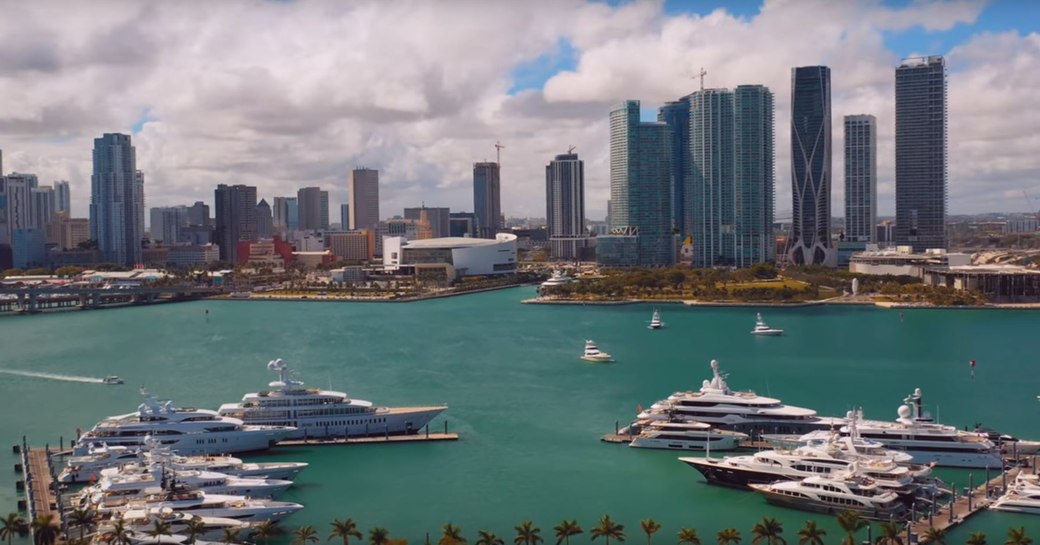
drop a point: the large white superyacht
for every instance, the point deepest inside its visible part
(316, 413)
(834, 494)
(184, 431)
(746, 412)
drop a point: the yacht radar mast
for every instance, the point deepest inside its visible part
(285, 382)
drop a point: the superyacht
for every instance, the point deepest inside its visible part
(835, 494)
(135, 481)
(662, 434)
(203, 504)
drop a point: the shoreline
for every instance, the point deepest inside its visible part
(348, 299)
(892, 305)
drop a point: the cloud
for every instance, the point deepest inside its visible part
(283, 95)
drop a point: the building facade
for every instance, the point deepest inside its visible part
(810, 240)
(363, 199)
(460, 256)
(286, 214)
(62, 197)
(677, 116)
(117, 200)
(439, 217)
(565, 206)
(487, 199)
(264, 220)
(462, 224)
(313, 208)
(708, 210)
(166, 223)
(352, 245)
(235, 218)
(860, 178)
(921, 153)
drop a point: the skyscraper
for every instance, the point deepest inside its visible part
(235, 210)
(640, 192)
(487, 199)
(810, 241)
(17, 212)
(754, 176)
(264, 220)
(677, 116)
(286, 214)
(708, 210)
(116, 200)
(440, 219)
(565, 206)
(62, 198)
(921, 141)
(166, 222)
(314, 208)
(344, 217)
(198, 214)
(363, 198)
(860, 178)
(43, 203)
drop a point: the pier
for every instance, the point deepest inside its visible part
(41, 495)
(370, 440)
(33, 300)
(963, 506)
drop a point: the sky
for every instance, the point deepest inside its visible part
(287, 94)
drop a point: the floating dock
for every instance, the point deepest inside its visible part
(371, 440)
(963, 506)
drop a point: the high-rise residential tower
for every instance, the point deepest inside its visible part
(235, 211)
(860, 178)
(62, 197)
(363, 198)
(640, 192)
(565, 206)
(116, 200)
(487, 198)
(677, 116)
(314, 208)
(810, 238)
(708, 209)
(921, 154)
(754, 176)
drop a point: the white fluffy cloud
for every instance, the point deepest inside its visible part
(287, 94)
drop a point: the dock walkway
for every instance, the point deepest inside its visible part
(41, 497)
(963, 506)
(369, 440)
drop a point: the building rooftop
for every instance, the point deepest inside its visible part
(458, 242)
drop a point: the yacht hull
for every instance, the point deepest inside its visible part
(717, 473)
(718, 442)
(815, 506)
(951, 459)
(1033, 508)
(191, 444)
(397, 421)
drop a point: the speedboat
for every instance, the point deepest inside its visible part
(593, 354)
(182, 430)
(315, 413)
(655, 321)
(112, 379)
(834, 494)
(761, 328)
(661, 434)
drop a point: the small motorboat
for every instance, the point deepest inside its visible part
(762, 328)
(111, 380)
(593, 354)
(655, 321)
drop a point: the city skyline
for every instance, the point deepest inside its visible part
(553, 89)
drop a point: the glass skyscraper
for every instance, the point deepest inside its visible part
(117, 200)
(810, 238)
(487, 199)
(709, 193)
(677, 116)
(235, 211)
(754, 176)
(860, 178)
(921, 138)
(565, 205)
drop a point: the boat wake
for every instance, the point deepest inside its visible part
(52, 376)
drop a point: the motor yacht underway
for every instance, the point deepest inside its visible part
(137, 481)
(140, 521)
(203, 504)
(182, 430)
(835, 494)
(1021, 497)
(593, 354)
(747, 412)
(314, 413)
(915, 433)
(761, 328)
(655, 321)
(662, 434)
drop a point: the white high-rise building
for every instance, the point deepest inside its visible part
(860, 178)
(363, 199)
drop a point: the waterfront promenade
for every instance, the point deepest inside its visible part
(33, 300)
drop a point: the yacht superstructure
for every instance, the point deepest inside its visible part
(833, 495)
(315, 413)
(593, 354)
(662, 434)
(1023, 496)
(655, 320)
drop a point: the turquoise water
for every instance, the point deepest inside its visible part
(529, 411)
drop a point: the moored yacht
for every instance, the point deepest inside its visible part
(558, 278)
(762, 328)
(142, 520)
(833, 495)
(1021, 497)
(655, 320)
(593, 354)
(207, 505)
(182, 430)
(137, 481)
(662, 434)
(315, 413)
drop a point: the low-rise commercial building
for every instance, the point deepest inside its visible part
(463, 256)
(350, 274)
(904, 261)
(999, 283)
(196, 254)
(352, 245)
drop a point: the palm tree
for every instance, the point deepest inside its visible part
(81, 518)
(160, 529)
(118, 535)
(527, 534)
(452, 535)
(1017, 536)
(12, 524)
(768, 530)
(688, 536)
(891, 534)
(345, 529)
(650, 527)
(729, 536)
(851, 522)
(608, 529)
(488, 538)
(378, 536)
(45, 529)
(231, 536)
(304, 535)
(935, 535)
(810, 534)
(564, 530)
(195, 527)
(976, 538)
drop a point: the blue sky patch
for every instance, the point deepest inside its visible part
(534, 74)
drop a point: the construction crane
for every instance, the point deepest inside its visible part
(1029, 201)
(570, 150)
(701, 75)
(498, 152)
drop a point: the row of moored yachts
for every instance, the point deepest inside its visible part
(824, 464)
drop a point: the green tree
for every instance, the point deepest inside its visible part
(12, 524)
(12, 272)
(45, 529)
(488, 538)
(345, 529)
(935, 535)
(565, 529)
(159, 529)
(452, 535)
(231, 536)
(68, 271)
(304, 535)
(688, 536)
(81, 518)
(728, 536)
(891, 534)
(38, 271)
(850, 523)
(378, 536)
(810, 534)
(1017, 536)
(196, 527)
(768, 530)
(976, 538)
(118, 535)
(527, 534)
(650, 526)
(608, 529)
